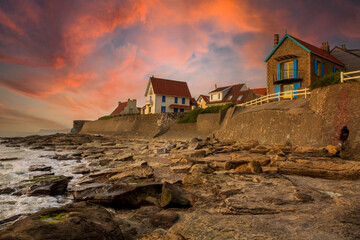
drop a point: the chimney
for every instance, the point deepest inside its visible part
(215, 86)
(119, 103)
(276, 40)
(325, 46)
(343, 46)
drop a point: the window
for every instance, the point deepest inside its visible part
(163, 109)
(176, 100)
(288, 70)
(230, 97)
(183, 101)
(163, 98)
(214, 97)
(181, 110)
(130, 110)
(176, 109)
(239, 97)
(150, 98)
(194, 104)
(149, 109)
(318, 68)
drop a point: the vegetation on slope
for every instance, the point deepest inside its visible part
(106, 117)
(191, 116)
(329, 79)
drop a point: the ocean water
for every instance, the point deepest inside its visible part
(14, 171)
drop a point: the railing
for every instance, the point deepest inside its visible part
(278, 97)
(300, 75)
(345, 76)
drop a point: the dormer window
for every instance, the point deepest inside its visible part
(230, 97)
(239, 97)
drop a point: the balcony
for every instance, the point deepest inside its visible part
(289, 78)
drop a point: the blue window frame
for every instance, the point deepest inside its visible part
(183, 101)
(163, 109)
(176, 100)
(163, 98)
(176, 109)
(181, 110)
(150, 98)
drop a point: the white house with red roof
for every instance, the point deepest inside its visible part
(164, 96)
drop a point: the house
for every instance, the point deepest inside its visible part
(294, 64)
(351, 58)
(237, 94)
(125, 108)
(164, 95)
(260, 92)
(202, 101)
(193, 103)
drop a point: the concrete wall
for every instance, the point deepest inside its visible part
(314, 122)
(133, 125)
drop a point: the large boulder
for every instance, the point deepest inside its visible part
(47, 185)
(173, 196)
(73, 221)
(117, 195)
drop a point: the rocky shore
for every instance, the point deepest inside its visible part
(195, 189)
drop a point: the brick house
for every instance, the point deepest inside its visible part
(294, 64)
(125, 108)
(164, 95)
(237, 94)
(350, 57)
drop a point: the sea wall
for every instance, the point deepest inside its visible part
(149, 125)
(317, 121)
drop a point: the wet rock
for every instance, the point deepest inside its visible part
(8, 158)
(117, 195)
(52, 185)
(173, 196)
(164, 219)
(40, 175)
(91, 221)
(7, 190)
(40, 167)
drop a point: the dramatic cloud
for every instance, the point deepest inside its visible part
(81, 57)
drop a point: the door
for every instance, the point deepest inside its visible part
(288, 90)
(163, 109)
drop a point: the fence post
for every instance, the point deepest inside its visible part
(305, 92)
(342, 76)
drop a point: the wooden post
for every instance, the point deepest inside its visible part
(342, 77)
(305, 92)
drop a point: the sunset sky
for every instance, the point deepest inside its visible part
(64, 60)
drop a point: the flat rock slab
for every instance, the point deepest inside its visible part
(330, 168)
(39, 167)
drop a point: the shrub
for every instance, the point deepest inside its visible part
(329, 79)
(106, 117)
(191, 116)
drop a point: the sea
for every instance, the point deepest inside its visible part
(13, 172)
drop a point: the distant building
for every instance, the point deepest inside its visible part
(350, 57)
(294, 64)
(237, 94)
(259, 91)
(125, 108)
(202, 101)
(164, 95)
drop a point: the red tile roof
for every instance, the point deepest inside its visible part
(170, 87)
(205, 97)
(119, 108)
(180, 106)
(318, 51)
(260, 91)
(219, 89)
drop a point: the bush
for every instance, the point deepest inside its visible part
(106, 117)
(191, 116)
(329, 79)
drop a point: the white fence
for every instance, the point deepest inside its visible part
(286, 95)
(345, 76)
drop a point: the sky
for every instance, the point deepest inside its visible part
(75, 59)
